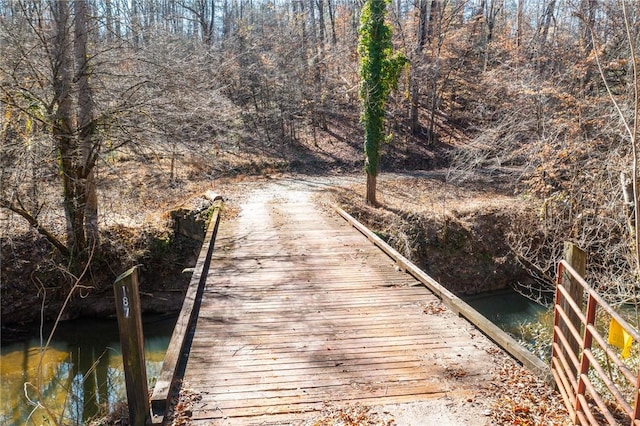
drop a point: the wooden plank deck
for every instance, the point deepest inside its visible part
(300, 310)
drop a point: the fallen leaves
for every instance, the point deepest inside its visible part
(351, 415)
(181, 409)
(434, 308)
(524, 399)
(455, 373)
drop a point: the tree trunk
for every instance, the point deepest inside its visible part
(519, 24)
(414, 116)
(118, 28)
(333, 22)
(371, 189)
(434, 29)
(73, 126)
(226, 20)
(86, 132)
(434, 105)
(422, 25)
(321, 25)
(491, 17)
(312, 23)
(63, 131)
(379, 72)
(546, 23)
(135, 24)
(590, 18)
(109, 20)
(212, 24)
(421, 38)
(319, 68)
(434, 20)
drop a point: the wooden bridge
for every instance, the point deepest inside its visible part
(297, 309)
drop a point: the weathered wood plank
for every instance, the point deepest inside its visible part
(310, 382)
(309, 301)
(338, 368)
(300, 310)
(338, 345)
(291, 331)
(309, 378)
(280, 382)
(308, 357)
(255, 398)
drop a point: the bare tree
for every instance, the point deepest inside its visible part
(545, 23)
(204, 13)
(55, 89)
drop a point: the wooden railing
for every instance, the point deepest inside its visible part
(161, 395)
(598, 385)
(457, 305)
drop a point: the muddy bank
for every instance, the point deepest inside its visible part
(38, 287)
(35, 281)
(467, 256)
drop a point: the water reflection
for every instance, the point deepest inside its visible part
(80, 373)
(508, 310)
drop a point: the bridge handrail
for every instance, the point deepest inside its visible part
(457, 305)
(188, 313)
(575, 373)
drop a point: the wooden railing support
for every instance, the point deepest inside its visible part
(128, 310)
(577, 258)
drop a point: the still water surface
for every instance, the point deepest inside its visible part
(508, 309)
(529, 322)
(79, 372)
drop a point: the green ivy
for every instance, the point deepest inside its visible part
(380, 69)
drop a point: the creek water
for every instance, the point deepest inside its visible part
(507, 309)
(513, 313)
(78, 374)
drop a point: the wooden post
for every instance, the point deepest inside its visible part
(577, 258)
(132, 343)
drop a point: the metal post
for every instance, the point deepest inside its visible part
(132, 343)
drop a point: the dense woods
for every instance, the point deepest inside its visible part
(542, 92)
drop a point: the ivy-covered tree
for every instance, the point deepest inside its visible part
(379, 71)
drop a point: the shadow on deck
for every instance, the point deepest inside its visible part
(297, 310)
